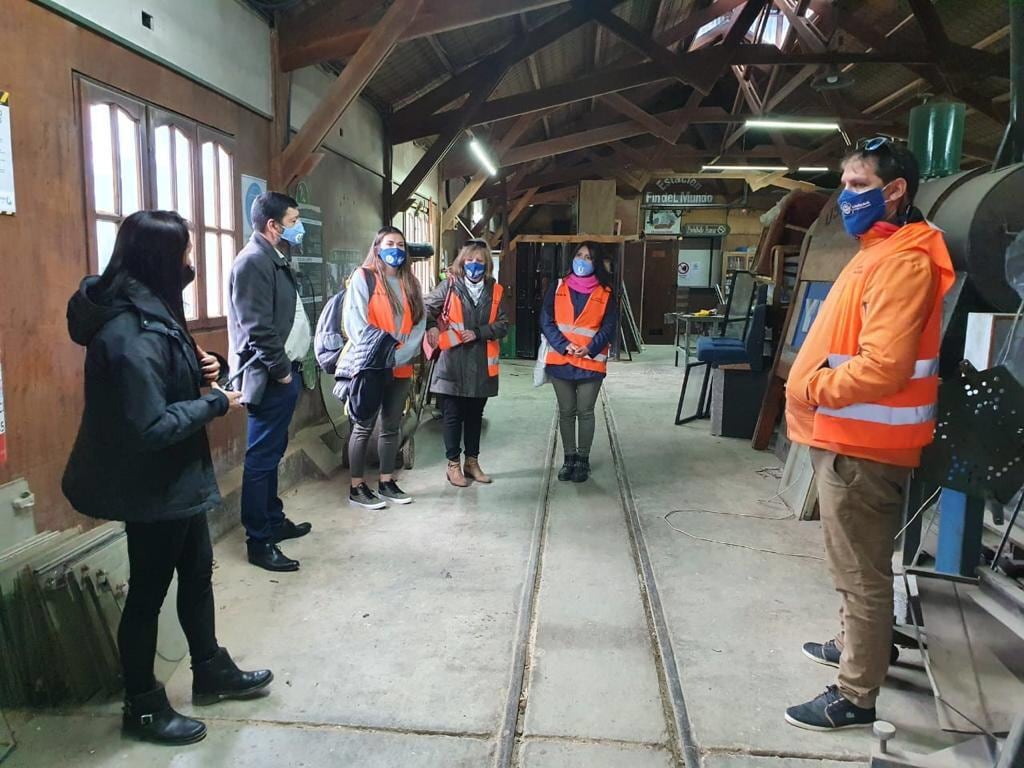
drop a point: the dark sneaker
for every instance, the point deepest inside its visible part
(829, 712)
(829, 653)
(390, 491)
(362, 496)
(565, 473)
(581, 472)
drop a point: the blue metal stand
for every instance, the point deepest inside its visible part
(961, 520)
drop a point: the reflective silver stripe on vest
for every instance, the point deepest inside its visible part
(456, 326)
(923, 369)
(884, 414)
(453, 338)
(600, 358)
(566, 328)
(492, 360)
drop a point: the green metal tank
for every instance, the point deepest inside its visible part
(937, 137)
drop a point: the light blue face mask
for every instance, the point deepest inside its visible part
(393, 257)
(294, 233)
(474, 270)
(582, 267)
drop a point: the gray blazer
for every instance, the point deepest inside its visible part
(462, 371)
(261, 312)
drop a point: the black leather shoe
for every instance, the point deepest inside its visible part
(219, 678)
(290, 530)
(565, 473)
(266, 555)
(581, 472)
(149, 717)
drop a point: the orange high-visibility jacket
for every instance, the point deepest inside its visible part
(457, 323)
(865, 382)
(379, 315)
(580, 330)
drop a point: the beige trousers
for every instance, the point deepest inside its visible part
(861, 507)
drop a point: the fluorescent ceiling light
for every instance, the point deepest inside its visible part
(744, 168)
(814, 169)
(796, 125)
(485, 161)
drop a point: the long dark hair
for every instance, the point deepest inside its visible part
(150, 248)
(413, 291)
(604, 277)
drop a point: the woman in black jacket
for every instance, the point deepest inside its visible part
(142, 456)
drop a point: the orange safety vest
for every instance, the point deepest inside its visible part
(906, 419)
(580, 330)
(456, 323)
(381, 316)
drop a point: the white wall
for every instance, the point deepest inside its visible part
(220, 43)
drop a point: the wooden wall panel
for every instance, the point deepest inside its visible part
(44, 246)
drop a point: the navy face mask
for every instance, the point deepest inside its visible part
(861, 210)
(474, 270)
(393, 257)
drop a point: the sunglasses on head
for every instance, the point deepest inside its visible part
(876, 143)
(475, 241)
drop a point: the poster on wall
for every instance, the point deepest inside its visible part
(6, 156)
(694, 268)
(665, 222)
(252, 187)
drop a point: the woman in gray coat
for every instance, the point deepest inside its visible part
(472, 323)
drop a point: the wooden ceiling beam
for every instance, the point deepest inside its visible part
(322, 33)
(514, 52)
(343, 91)
(522, 203)
(625, 107)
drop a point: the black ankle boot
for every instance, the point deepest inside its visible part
(581, 471)
(149, 717)
(565, 473)
(218, 678)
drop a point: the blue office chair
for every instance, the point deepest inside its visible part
(713, 352)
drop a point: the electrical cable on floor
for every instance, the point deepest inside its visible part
(917, 514)
(733, 543)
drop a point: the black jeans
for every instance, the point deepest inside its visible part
(463, 418)
(396, 391)
(155, 551)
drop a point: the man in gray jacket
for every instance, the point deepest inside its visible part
(266, 321)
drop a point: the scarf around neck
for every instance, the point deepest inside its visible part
(582, 284)
(475, 290)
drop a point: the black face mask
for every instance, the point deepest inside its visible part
(188, 274)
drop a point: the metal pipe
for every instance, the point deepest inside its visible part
(1011, 149)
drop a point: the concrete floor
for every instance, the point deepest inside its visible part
(395, 645)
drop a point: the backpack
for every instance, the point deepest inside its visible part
(329, 339)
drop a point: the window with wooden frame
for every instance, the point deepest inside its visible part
(140, 156)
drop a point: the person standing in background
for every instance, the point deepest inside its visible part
(578, 318)
(466, 372)
(384, 294)
(266, 320)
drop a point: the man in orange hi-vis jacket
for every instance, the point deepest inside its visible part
(862, 394)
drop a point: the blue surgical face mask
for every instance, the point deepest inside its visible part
(294, 233)
(393, 257)
(861, 210)
(582, 267)
(474, 270)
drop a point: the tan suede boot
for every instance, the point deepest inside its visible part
(455, 476)
(472, 470)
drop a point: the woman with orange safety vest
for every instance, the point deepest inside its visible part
(578, 319)
(468, 305)
(384, 294)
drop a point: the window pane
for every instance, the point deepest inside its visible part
(183, 166)
(188, 297)
(164, 168)
(102, 158)
(227, 257)
(209, 185)
(227, 189)
(128, 142)
(106, 234)
(212, 274)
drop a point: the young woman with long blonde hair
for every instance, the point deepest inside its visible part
(384, 294)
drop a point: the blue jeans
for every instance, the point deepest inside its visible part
(262, 510)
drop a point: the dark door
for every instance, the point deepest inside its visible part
(659, 286)
(536, 266)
